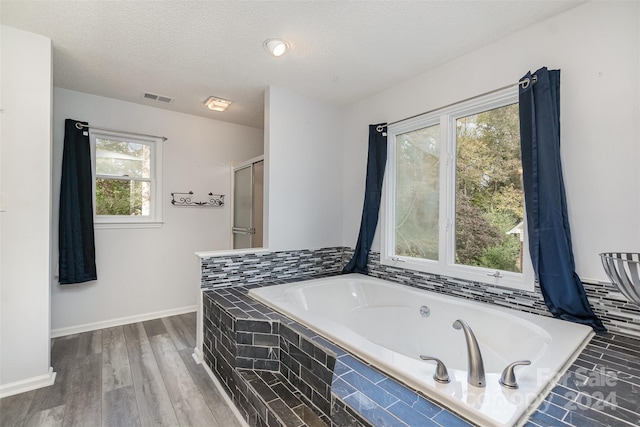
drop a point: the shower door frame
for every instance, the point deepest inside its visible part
(235, 167)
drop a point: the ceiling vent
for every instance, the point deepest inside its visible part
(156, 97)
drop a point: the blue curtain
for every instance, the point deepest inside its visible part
(546, 205)
(376, 162)
(76, 242)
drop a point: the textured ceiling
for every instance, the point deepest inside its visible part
(341, 51)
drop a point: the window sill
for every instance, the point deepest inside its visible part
(123, 225)
(515, 281)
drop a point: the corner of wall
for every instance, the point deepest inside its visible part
(25, 266)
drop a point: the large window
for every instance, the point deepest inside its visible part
(454, 201)
(127, 180)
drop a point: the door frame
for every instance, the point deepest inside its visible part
(234, 167)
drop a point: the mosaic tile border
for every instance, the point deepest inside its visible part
(268, 266)
(616, 312)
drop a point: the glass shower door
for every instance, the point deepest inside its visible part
(248, 202)
(242, 207)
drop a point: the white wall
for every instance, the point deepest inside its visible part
(303, 172)
(596, 45)
(150, 272)
(25, 223)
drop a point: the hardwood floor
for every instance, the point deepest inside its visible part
(133, 375)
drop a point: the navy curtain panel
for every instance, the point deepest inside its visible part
(76, 243)
(376, 162)
(546, 205)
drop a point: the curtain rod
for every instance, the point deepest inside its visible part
(524, 83)
(80, 126)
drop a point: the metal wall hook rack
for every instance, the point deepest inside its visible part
(185, 199)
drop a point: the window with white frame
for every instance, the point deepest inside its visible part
(454, 202)
(127, 184)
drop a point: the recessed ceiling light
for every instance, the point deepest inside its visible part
(276, 47)
(217, 104)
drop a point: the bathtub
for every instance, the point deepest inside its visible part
(390, 325)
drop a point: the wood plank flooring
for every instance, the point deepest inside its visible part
(133, 375)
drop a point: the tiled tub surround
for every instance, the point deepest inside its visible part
(384, 324)
(314, 383)
(276, 372)
(609, 364)
(601, 388)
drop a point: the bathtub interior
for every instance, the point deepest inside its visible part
(393, 320)
(501, 342)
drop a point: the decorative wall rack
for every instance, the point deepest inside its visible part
(185, 199)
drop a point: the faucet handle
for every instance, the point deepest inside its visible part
(441, 375)
(508, 378)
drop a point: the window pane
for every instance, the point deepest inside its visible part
(417, 193)
(122, 197)
(120, 158)
(489, 195)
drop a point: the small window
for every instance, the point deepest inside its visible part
(127, 180)
(454, 201)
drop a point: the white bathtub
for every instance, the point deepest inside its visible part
(381, 323)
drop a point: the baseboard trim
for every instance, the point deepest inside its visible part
(29, 384)
(61, 332)
(197, 355)
(224, 394)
